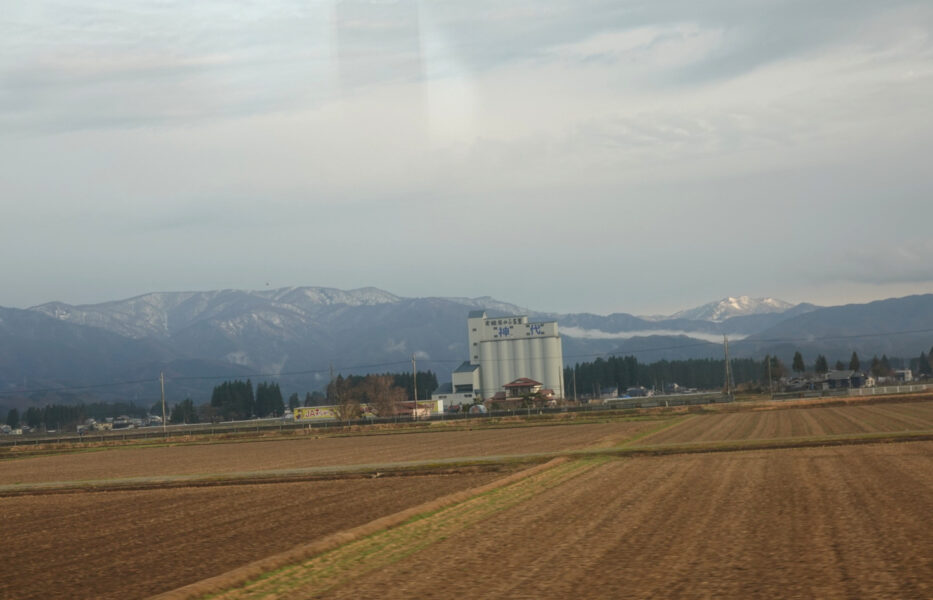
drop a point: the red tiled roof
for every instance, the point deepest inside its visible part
(523, 382)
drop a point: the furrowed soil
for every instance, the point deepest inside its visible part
(292, 453)
(126, 545)
(839, 522)
(797, 422)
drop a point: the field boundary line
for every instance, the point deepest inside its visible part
(254, 570)
(12, 452)
(8, 452)
(845, 439)
(448, 466)
(661, 427)
(453, 466)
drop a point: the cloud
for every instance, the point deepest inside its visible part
(356, 146)
(392, 346)
(666, 46)
(596, 334)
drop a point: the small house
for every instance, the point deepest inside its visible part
(836, 380)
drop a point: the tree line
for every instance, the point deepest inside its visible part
(877, 367)
(707, 373)
(69, 415)
(236, 400)
(627, 372)
(385, 392)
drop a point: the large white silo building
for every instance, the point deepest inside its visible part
(503, 349)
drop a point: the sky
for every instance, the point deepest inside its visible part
(563, 155)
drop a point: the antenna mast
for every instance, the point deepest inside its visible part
(414, 386)
(162, 383)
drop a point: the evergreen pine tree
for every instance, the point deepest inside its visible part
(262, 407)
(924, 367)
(274, 402)
(798, 365)
(854, 363)
(821, 366)
(184, 412)
(33, 416)
(885, 365)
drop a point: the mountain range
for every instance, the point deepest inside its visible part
(296, 334)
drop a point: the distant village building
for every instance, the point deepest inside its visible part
(844, 380)
(445, 396)
(521, 393)
(904, 375)
(638, 392)
(504, 350)
(523, 387)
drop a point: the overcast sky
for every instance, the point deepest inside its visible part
(564, 155)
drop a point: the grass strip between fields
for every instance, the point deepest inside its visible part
(391, 546)
(362, 551)
(339, 556)
(658, 428)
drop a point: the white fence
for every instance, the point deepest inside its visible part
(890, 389)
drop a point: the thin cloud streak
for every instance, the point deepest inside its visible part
(596, 334)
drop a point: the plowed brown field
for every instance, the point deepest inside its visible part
(834, 522)
(298, 453)
(798, 422)
(842, 522)
(125, 545)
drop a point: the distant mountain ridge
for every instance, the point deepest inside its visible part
(738, 306)
(163, 313)
(295, 334)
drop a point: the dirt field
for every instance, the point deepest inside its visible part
(126, 545)
(842, 522)
(798, 422)
(834, 522)
(307, 452)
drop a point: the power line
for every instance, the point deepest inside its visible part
(291, 373)
(452, 361)
(833, 337)
(80, 387)
(153, 380)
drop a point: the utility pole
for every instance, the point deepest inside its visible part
(162, 383)
(563, 390)
(770, 381)
(729, 379)
(414, 385)
(575, 384)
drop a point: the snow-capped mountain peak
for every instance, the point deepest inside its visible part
(733, 307)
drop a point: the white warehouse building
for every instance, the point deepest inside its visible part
(503, 349)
